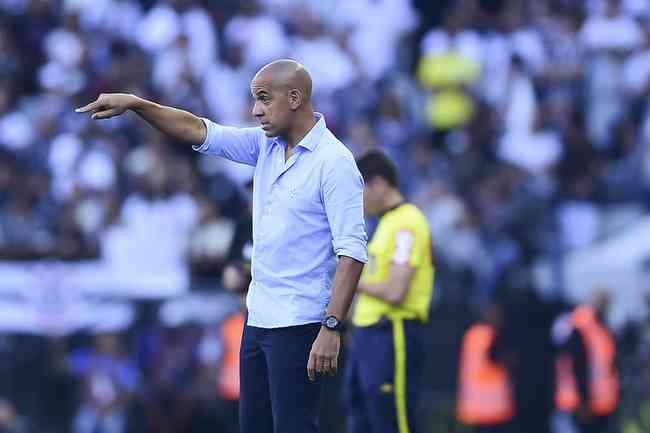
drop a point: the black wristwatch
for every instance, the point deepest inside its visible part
(332, 323)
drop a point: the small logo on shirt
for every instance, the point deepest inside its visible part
(293, 192)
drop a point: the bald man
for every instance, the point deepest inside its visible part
(309, 239)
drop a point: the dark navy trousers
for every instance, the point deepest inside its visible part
(276, 394)
(382, 377)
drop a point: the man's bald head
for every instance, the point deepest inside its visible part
(287, 74)
(282, 93)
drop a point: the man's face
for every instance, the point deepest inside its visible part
(271, 107)
(373, 192)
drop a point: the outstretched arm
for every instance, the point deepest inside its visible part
(178, 124)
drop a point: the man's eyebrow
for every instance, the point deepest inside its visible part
(260, 92)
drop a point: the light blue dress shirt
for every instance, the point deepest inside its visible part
(307, 211)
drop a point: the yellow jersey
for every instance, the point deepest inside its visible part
(402, 236)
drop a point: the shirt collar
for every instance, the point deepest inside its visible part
(311, 140)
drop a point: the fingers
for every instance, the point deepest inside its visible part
(106, 114)
(324, 365)
(329, 365)
(321, 365)
(334, 367)
(100, 108)
(93, 106)
(311, 367)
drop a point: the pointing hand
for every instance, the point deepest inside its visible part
(108, 105)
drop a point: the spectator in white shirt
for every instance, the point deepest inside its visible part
(261, 37)
(612, 31)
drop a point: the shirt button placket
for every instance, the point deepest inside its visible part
(265, 214)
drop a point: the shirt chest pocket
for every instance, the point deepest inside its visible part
(299, 195)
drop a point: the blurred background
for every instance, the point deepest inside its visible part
(521, 128)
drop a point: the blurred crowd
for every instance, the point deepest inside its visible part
(151, 378)
(522, 128)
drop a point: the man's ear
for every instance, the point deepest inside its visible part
(295, 99)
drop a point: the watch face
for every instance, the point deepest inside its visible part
(331, 322)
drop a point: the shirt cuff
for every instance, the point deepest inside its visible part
(213, 132)
(353, 248)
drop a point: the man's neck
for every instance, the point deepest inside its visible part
(393, 199)
(304, 123)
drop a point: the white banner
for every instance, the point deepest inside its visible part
(617, 265)
(45, 318)
(92, 278)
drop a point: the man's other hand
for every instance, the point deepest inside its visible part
(324, 355)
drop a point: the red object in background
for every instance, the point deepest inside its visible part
(228, 376)
(603, 377)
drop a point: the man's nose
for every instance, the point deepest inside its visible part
(257, 110)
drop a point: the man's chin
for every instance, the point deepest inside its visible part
(269, 133)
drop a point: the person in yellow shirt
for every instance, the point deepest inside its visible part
(392, 307)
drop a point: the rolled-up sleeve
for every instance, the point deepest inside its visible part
(343, 199)
(236, 144)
